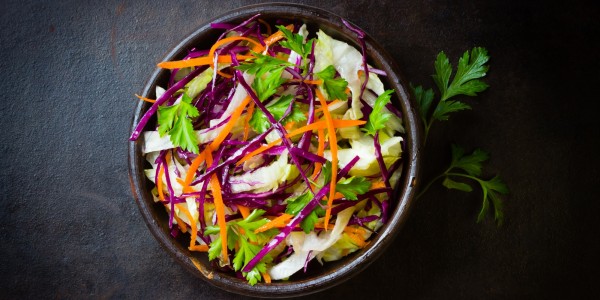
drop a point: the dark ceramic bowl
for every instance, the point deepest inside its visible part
(318, 277)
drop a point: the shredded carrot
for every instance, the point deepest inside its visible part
(312, 126)
(194, 233)
(145, 99)
(276, 36)
(244, 210)
(249, 113)
(199, 248)
(377, 185)
(159, 183)
(334, 159)
(180, 224)
(278, 222)
(267, 277)
(320, 150)
(357, 240)
(317, 82)
(289, 125)
(189, 176)
(199, 61)
(228, 40)
(227, 128)
(336, 101)
(219, 206)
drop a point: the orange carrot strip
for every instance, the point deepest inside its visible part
(224, 74)
(228, 40)
(244, 210)
(276, 36)
(219, 206)
(320, 150)
(334, 159)
(312, 126)
(267, 277)
(180, 224)
(189, 176)
(377, 185)
(199, 248)
(249, 113)
(199, 61)
(278, 222)
(159, 183)
(194, 233)
(317, 82)
(227, 128)
(145, 99)
(357, 240)
(336, 101)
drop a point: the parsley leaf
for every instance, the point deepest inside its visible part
(176, 121)
(377, 118)
(295, 42)
(294, 206)
(335, 88)
(353, 186)
(469, 166)
(260, 123)
(268, 72)
(240, 235)
(471, 67)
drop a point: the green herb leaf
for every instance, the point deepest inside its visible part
(377, 118)
(260, 123)
(472, 164)
(424, 99)
(294, 206)
(451, 184)
(262, 64)
(443, 109)
(268, 72)
(295, 42)
(335, 88)
(352, 187)
(176, 121)
(326, 172)
(471, 67)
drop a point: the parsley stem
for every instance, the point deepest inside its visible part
(424, 190)
(466, 176)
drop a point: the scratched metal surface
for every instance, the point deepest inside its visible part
(69, 227)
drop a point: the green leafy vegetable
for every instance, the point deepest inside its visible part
(353, 186)
(268, 72)
(295, 42)
(377, 118)
(466, 81)
(241, 233)
(335, 88)
(294, 206)
(260, 123)
(176, 121)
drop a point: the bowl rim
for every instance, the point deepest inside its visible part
(404, 191)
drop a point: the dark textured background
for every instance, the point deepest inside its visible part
(69, 227)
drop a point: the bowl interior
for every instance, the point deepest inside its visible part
(317, 277)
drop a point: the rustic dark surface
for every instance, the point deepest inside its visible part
(69, 227)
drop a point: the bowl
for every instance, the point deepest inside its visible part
(319, 277)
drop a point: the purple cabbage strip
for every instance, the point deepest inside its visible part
(363, 220)
(394, 110)
(297, 219)
(384, 210)
(361, 39)
(170, 188)
(307, 155)
(226, 26)
(304, 142)
(166, 96)
(379, 157)
(242, 152)
(276, 124)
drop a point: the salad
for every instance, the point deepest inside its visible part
(273, 148)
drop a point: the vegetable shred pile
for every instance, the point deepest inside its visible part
(273, 147)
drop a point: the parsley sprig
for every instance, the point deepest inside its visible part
(260, 123)
(334, 87)
(240, 233)
(268, 70)
(176, 120)
(378, 118)
(295, 42)
(467, 81)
